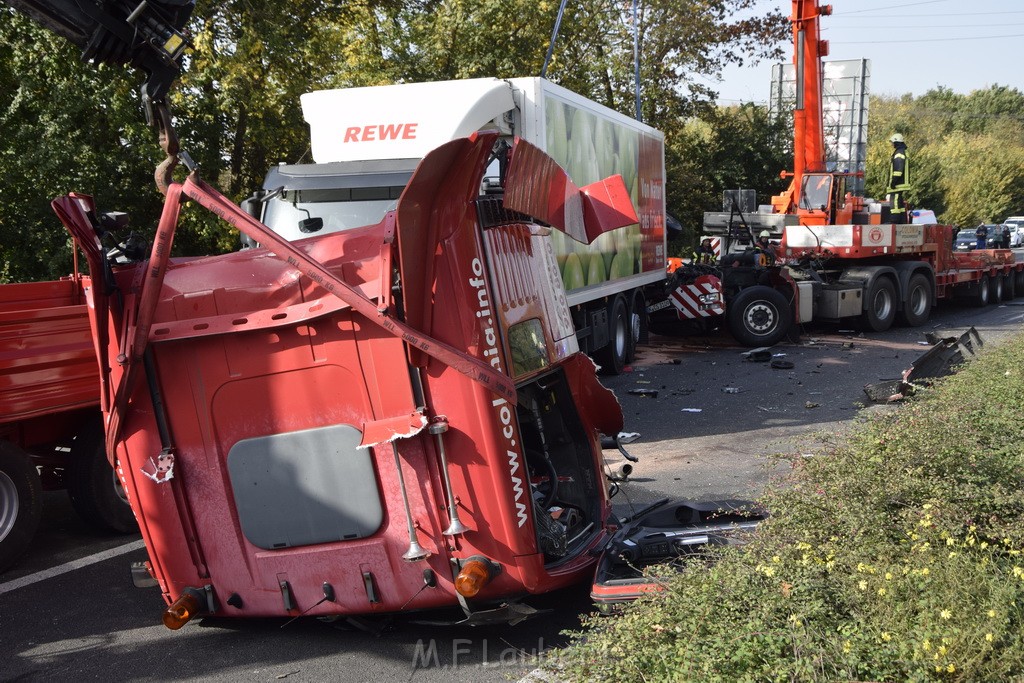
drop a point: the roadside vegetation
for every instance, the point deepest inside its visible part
(895, 554)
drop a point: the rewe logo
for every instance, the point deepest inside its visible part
(390, 131)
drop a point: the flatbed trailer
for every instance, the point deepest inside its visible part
(871, 275)
(51, 430)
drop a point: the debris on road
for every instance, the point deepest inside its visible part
(692, 410)
(812, 404)
(762, 354)
(940, 360)
(731, 390)
(649, 393)
(780, 364)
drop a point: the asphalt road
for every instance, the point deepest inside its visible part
(91, 623)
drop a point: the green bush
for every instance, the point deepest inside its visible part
(892, 555)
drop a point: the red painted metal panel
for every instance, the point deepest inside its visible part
(47, 364)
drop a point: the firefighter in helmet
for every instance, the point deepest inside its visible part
(764, 252)
(899, 178)
(705, 253)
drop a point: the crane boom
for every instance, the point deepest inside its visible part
(808, 123)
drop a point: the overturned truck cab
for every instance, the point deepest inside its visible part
(393, 417)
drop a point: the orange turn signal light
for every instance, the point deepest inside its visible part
(181, 610)
(475, 574)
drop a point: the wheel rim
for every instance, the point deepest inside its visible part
(998, 290)
(9, 505)
(620, 338)
(634, 327)
(918, 301)
(882, 304)
(760, 318)
(984, 288)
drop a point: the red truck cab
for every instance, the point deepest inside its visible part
(386, 418)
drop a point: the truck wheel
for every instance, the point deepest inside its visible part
(1010, 286)
(1020, 283)
(95, 490)
(918, 305)
(21, 503)
(881, 302)
(980, 298)
(759, 316)
(995, 290)
(638, 324)
(613, 357)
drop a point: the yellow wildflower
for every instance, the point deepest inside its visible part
(863, 585)
(945, 614)
(991, 613)
(988, 637)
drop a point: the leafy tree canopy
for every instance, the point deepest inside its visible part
(71, 126)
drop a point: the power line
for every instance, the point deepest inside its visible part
(901, 41)
(875, 9)
(949, 14)
(916, 26)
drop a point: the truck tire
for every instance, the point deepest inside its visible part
(759, 316)
(980, 298)
(21, 503)
(638, 323)
(1010, 286)
(613, 357)
(95, 489)
(881, 305)
(1020, 283)
(917, 307)
(995, 290)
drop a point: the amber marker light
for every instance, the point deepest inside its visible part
(474, 575)
(182, 610)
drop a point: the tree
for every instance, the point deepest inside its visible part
(237, 107)
(67, 127)
(965, 151)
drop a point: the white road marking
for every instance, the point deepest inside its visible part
(69, 566)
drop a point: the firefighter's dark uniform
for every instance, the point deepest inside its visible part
(704, 254)
(764, 253)
(899, 178)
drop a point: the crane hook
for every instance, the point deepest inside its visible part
(168, 138)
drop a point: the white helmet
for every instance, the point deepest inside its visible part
(765, 233)
(896, 137)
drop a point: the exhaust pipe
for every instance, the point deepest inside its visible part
(415, 551)
(438, 426)
(619, 471)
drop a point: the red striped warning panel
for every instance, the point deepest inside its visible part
(702, 299)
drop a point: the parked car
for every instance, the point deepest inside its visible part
(967, 240)
(1016, 224)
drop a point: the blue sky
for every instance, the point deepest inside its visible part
(913, 45)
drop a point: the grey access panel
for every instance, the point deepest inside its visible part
(841, 302)
(306, 487)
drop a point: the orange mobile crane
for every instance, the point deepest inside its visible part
(835, 255)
